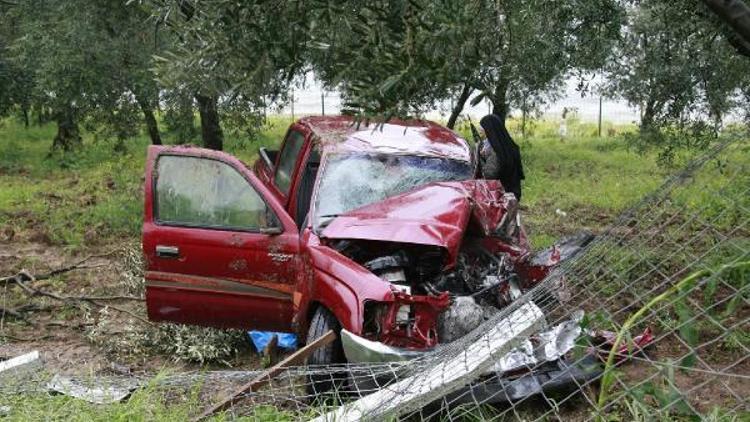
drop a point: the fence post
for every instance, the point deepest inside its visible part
(322, 102)
(600, 116)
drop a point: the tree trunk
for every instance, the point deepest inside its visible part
(459, 107)
(67, 130)
(499, 100)
(213, 137)
(739, 43)
(39, 114)
(647, 119)
(25, 111)
(735, 13)
(151, 125)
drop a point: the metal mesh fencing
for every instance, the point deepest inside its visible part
(651, 320)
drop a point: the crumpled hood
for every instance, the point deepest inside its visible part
(437, 214)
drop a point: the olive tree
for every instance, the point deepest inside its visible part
(87, 59)
(677, 64)
(735, 14)
(235, 57)
(403, 56)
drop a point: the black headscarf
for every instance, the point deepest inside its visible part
(508, 153)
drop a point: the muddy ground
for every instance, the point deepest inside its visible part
(61, 330)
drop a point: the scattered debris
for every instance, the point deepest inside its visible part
(447, 376)
(19, 365)
(294, 359)
(540, 362)
(554, 377)
(605, 340)
(546, 346)
(98, 391)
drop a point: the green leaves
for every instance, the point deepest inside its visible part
(675, 63)
(665, 392)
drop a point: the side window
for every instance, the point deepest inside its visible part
(292, 147)
(201, 192)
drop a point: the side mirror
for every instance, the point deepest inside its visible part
(271, 231)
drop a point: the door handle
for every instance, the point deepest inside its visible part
(167, 251)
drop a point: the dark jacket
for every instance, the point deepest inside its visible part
(509, 166)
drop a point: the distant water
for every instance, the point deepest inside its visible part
(311, 99)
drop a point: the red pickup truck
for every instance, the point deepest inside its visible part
(380, 230)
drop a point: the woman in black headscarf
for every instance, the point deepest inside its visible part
(501, 157)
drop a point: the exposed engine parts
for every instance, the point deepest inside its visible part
(438, 303)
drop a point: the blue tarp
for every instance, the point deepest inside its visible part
(260, 339)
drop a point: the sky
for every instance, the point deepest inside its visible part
(307, 100)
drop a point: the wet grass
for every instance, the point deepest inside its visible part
(581, 184)
(92, 196)
(87, 197)
(148, 403)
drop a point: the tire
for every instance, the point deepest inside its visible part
(333, 353)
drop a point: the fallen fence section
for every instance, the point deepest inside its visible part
(19, 366)
(447, 376)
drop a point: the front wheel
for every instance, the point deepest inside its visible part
(323, 380)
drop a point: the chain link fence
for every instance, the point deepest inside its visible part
(650, 321)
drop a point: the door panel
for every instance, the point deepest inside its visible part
(209, 259)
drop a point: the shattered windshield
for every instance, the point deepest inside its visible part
(351, 181)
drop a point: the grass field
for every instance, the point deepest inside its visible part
(93, 196)
(91, 199)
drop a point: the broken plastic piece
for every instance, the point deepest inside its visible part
(260, 339)
(604, 340)
(359, 349)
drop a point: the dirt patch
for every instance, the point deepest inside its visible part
(704, 387)
(62, 330)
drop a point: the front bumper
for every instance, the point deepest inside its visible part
(547, 346)
(544, 352)
(360, 350)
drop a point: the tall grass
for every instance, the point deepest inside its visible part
(93, 195)
(88, 196)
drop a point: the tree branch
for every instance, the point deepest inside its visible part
(735, 13)
(23, 275)
(739, 44)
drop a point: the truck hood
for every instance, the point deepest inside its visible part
(437, 214)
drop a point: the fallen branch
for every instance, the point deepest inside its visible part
(25, 339)
(78, 299)
(11, 312)
(106, 298)
(24, 275)
(125, 311)
(68, 325)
